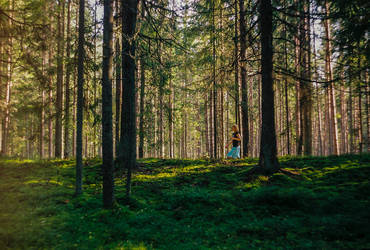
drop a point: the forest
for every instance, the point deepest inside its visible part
(117, 119)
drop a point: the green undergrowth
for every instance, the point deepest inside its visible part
(189, 204)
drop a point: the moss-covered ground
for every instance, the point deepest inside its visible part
(189, 204)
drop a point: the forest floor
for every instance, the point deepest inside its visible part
(189, 204)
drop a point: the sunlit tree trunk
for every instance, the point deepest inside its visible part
(329, 78)
(8, 86)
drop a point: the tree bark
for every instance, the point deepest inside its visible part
(67, 148)
(214, 81)
(305, 79)
(142, 108)
(243, 76)
(59, 83)
(128, 114)
(118, 83)
(329, 78)
(268, 159)
(236, 55)
(107, 126)
(80, 96)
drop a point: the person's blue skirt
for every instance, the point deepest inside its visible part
(234, 152)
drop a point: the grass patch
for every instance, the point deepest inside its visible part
(188, 204)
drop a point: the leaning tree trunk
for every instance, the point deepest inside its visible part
(268, 159)
(107, 126)
(128, 114)
(80, 84)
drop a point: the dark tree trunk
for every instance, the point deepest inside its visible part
(128, 114)
(214, 81)
(141, 117)
(268, 160)
(118, 85)
(305, 98)
(236, 54)
(243, 74)
(60, 69)
(107, 136)
(67, 148)
(80, 85)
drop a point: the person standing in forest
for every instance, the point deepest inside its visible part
(235, 140)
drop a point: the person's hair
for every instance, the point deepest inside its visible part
(236, 127)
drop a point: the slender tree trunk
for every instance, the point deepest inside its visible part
(214, 81)
(305, 79)
(343, 121)
(170, 119)
(268, 159)
(350, 118)
(243, 76)
(360, 127)
(107, 126)
(67, 83)
(206, 123)
(8, 85)
(118, 82)
(93, 151)
(367, 90)
(128, 114)
(42, 125)
(59, 84)
(80, 86)
(298, 131)
(329, 78)
(141, 118)
(236, 55)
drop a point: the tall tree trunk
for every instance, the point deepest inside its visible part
(329, 78)
(350, 117)
(118, 82)
(206, 123)
(128, 114)
(59, 84)
(236, 55)
(80, 96)
(305, 79)
(67, 148)
(8, 85)
(343, 121)
(268, 159)
(243, 76)
(93, 151)
(170, 119)
(286, 91)
(360, 127)
(141, 117)
(42, 124)
(107, 126)
(214, 81)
